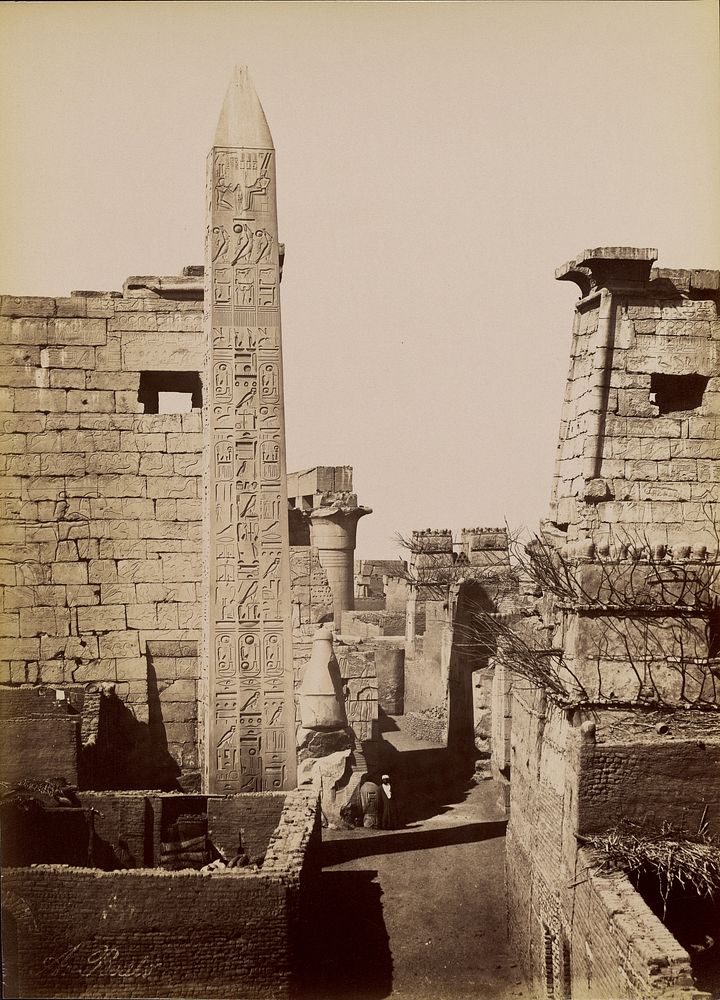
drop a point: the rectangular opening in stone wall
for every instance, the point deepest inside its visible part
(677, 393)
(170, 392)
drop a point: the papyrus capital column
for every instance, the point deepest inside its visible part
(333, 533)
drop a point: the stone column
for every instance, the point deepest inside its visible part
(333, 530)
(247, 651)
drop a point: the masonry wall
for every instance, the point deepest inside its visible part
(82, 932)
(619, 947)
(102, 532)
(576, 932)
(630, 452)
(671, 780)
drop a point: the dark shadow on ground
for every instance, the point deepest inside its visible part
(426, 782)
(386, 724)
(364, 845)
(346, 951)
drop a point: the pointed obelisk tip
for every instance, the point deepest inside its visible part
(242, 119)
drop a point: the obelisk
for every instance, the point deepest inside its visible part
(249, 733)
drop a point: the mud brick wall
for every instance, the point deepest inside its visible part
(44, 747)
(572, 928)
(102, 532)
(657, 441)
(40, 739)
(149, 934)
(667, 780)
(246, 820)
(78, 931)
(619, 947)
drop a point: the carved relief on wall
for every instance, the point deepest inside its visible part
(250, 716)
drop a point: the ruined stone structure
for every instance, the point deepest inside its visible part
(93, 902)
(163, 580)
(638, 439)
(613, 721)
(146, 620)
(324, 513)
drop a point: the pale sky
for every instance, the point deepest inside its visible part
(436, 163)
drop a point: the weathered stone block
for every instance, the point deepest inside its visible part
(179, 690)
(147, 351)
(77, 332)
(118, 593)
(109, 618)
(189, 510)
(190, 615)
(91, 400)
(148, 593)
(21, 650)
(157, 463)
(180, 322)
(131, 668)
(188, 465)
(112, 548)
(119, 463)
(172, 487)
(31, 596)
(120, 644)
(121, 486)
(128, 402)
(109, 357)
(140, 570)
(26, 305)
(157, 423)
(67, 378)
(46, 400)
(185, 443)
(82, 596)
(67, 464)
(118, 510)
(641, 470)
(65, 572)
(71, 306)
(180, 568)
(49, 621)
(142, 616)
(102, 571)
(12, 444)
(119, 531)
(24, 330)
(118, 382)
(68, 357)
(137, 441)
(53, 647)
(135, 321)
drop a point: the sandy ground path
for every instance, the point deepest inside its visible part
(417, 913)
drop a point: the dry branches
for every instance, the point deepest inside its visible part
(670, 855)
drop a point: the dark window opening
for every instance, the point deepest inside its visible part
(170, 392)
(677, 393)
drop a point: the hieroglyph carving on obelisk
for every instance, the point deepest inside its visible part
(247, 670)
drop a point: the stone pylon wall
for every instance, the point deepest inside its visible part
(639, 447)
(247, 652)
